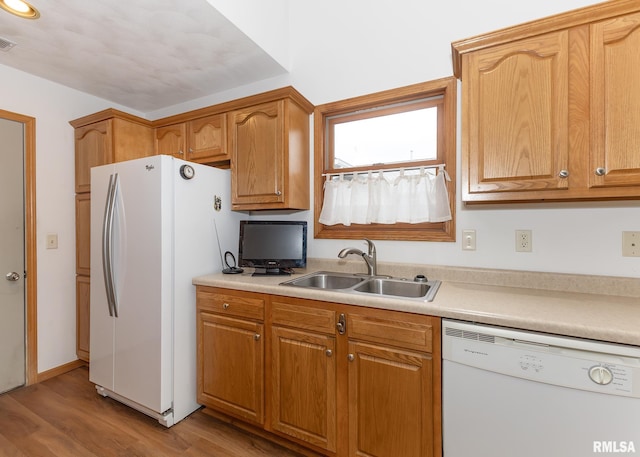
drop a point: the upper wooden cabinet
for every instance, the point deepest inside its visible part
(171, 140)
(269, 148)
(107, 137)
(264, 138)
(515, 108)
(551, 109)
(202, 140)
(615, 103)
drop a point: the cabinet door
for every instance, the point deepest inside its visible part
(208, 139)
(390, 402)
(93, 148)
(131, 140)
(615, 102)
(231, 366)
(515, 117)
(256, 145)
(303, 397)
(171, 140)
(83, 234)
(82, 317)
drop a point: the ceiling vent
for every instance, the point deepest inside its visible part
(6, 45)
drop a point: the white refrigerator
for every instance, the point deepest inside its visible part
(156, 223)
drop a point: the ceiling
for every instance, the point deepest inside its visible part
(143, 54)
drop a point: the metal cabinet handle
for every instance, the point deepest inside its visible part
(13, 276)
(342, 324)
(329, 352)
(225, 306)
(256, 337)
(600, 171)
(351, 357)
(563, 174)
(278, 193)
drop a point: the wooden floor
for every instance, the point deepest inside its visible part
(64, 416)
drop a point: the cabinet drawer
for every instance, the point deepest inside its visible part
(392, 331)
(303, 317)
(249, 306)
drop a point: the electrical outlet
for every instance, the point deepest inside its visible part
(523, 241)
(468, 240)
(631, 244)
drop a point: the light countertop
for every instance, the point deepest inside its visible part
(573, 305)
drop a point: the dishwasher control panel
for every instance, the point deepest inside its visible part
(551, 359)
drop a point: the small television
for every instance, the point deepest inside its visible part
(273, 247)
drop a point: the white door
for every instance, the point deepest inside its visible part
(131, 354)
(12, 260)
(142, 261)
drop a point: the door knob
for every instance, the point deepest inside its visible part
(13, 276)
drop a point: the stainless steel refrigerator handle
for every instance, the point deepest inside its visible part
(105, 273)
(114, 294)
(107, 238)
(106, 267)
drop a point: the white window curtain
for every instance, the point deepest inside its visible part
(374, 198)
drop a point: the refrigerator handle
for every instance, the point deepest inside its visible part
(107, 239)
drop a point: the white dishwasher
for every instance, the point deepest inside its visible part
(513, 393)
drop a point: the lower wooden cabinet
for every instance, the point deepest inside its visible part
(303, 389)
(337, 379)
(303, 379)
(390, 402)
(83, 286)
(232, 373)
(394, 384)
(230, 348)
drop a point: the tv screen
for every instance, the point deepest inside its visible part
(273, 247)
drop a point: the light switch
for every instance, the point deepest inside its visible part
(468, 240)
(52, 241)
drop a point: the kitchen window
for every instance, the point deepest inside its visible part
(407, 130)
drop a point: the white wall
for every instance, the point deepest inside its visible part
(266, 23)
(53, 106)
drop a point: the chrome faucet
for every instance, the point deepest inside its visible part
(369, 257)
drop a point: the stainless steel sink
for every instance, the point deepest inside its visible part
(398, 288)
(371, 285)
(327, 280)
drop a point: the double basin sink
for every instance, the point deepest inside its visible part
(419, 289)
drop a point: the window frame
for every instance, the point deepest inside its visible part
(333, 120)
(428, 231)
